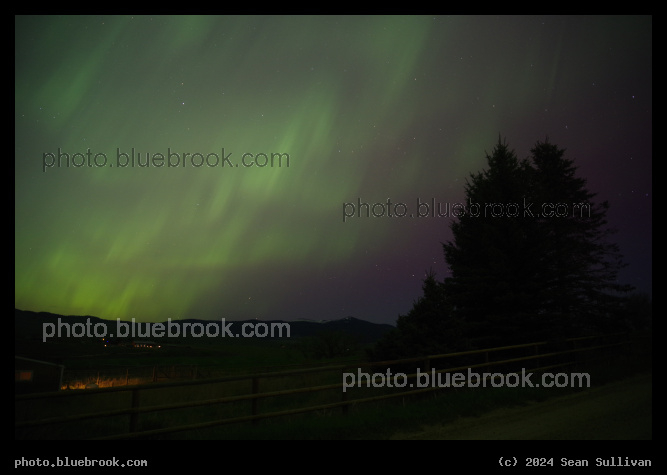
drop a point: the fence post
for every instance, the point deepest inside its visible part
(134, 417)
(255, 401)
(343, 397)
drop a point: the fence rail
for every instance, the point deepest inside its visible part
(541, 361)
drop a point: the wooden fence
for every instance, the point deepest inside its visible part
(537, 357)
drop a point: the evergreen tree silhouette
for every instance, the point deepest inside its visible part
(429, 328)
(579, 264)
(530, 259)
(493, 255)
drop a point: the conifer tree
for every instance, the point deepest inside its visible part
(428, 329)
(530, 258)
(493, 256)
(579, 262)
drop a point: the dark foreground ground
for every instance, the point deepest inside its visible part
(620, 410)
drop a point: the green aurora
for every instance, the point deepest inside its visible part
(358, 108)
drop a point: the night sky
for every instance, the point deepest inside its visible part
(368, 109)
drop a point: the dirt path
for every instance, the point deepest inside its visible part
(615, 411)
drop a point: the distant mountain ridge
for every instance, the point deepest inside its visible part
(30, 325)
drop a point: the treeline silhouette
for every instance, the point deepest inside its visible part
(530, 260)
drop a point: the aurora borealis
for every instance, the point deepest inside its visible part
(367, 108)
